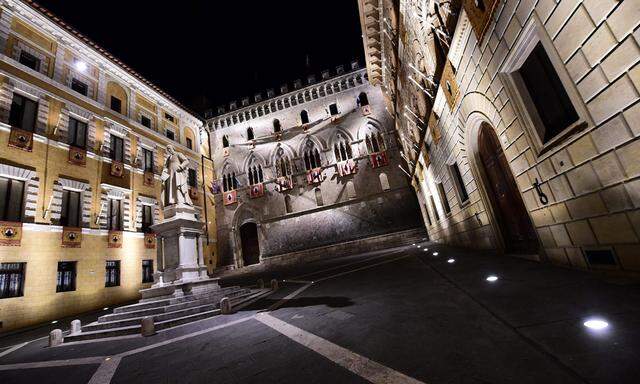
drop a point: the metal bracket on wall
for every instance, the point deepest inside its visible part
(541, 195)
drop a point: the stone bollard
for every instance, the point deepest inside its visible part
(274, 284)
(148, 327)
(55, 337)
(225, 306)
(76, 327)
(260, 283)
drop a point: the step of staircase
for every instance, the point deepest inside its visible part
(171, 305)
(165, 319)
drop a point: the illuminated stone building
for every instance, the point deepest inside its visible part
(311, 170)
(519, 121)
(82, 141)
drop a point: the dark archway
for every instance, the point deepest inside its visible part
(250, 243)
(511, 214)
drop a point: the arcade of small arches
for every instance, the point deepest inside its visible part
(361, 101)
(291, 99)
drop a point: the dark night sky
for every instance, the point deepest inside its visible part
(207, 53)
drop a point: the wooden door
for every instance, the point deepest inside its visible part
(512, 216)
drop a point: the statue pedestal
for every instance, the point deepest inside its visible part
(181, 268)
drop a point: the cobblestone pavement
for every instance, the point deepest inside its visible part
(405, 315)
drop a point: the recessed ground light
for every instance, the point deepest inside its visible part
(54, 321)
(105, 308)
(435, 253)
(426, 249)
(596, 324)
(451, 261)
(413, 244)
(418, 246)
(492, 278)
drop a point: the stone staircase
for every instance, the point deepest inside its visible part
(166, 312)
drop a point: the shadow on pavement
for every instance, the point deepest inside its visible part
(329, 301)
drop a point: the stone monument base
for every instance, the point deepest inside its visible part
(181, 268)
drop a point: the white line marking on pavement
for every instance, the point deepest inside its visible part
(11, 349)
(288, 297)
(105, 371)
(53, 363)
(360, 365)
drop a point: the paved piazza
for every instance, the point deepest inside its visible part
(405, 315)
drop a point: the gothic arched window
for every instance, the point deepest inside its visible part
(342, 150)
(250, 135)
(311, 157)
(283, 164)
(225, 141)
(255, 174)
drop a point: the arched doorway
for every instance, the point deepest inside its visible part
(513, 220)
(250, 244)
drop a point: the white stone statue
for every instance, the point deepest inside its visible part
(175, 178)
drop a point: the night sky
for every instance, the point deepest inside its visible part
(207, 53)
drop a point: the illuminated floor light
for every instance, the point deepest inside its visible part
(426, 249)
(418, 246)
(105, 308)
(413, 244)
(451, 261)
(54, 321)
(435, 253)
(596, 324)
(492, 278)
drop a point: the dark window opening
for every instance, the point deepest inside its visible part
(30, 61)
(147, 218)
(147, 271)
(426, 213)
(229, 182)
(144, 120)
(112, 273)
(116, 104)
(66, 280)
(11, 279)
(443, 198)
(433, 206)
(148, 160)
(79, 87)
(192, 179)
(169, 117)
(23, 113)
(547, 92)
(171, 135)
(11, 198)
(459, 183)
(114, 217)
(225, 141)
(189, 143)
(250, 135)
(312, 159)
(71, 209)
(333, 109)
(276, 126)
(117, 148)
(77, 135)
(598, 257)
(255, 174)
(304, 117)
(362, 99)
